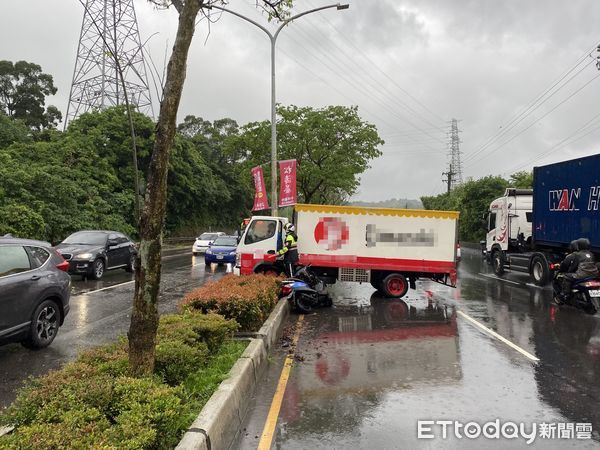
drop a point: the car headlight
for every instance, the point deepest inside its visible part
(209, 252)
(84, 256)
(232, 253)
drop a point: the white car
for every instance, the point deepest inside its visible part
(204, 240)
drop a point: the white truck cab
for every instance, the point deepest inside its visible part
(509, 220)
(261, 235)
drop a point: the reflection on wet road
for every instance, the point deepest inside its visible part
(369, 368)
(100, 312)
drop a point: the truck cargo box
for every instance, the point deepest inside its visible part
(378, 238)
(566, 201)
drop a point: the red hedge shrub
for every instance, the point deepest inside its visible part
(249, 299)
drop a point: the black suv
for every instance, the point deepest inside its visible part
(91, 253)
(34, 292)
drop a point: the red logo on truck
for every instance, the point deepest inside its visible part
(331, 233)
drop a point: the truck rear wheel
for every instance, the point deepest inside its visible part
(498, 262)
(539, 270)
(395, 285)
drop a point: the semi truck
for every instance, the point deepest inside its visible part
(389, 248)
(530, 229)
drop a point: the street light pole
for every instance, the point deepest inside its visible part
(273, 38)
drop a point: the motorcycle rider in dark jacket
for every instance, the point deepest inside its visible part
(577, 265)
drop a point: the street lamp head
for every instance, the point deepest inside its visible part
(346, 6)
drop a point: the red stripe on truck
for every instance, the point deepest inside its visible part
(365, 262)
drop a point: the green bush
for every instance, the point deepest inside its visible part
(175, 360)
(141, 413)
(192, 327)
(248, 299)
(93, 403)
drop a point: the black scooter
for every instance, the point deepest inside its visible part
(585, 293)
(305, 291)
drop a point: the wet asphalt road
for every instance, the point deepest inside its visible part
(368, 368)
(100, 312)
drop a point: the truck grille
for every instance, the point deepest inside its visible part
(359, 275)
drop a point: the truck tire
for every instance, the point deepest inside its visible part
(498, 262)
(539, 270)
(395, 285)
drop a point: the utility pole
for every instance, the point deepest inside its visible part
(273, 38)
(450, 178)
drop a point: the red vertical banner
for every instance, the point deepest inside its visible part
(260, 194)
(287, 182)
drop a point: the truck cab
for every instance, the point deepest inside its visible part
(262, 235)
(509, 221)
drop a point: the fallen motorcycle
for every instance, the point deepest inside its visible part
(305, 291)
(585, 293)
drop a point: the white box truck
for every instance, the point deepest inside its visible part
(390, 248)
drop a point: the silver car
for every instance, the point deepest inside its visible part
(34, 292)
(204, 241)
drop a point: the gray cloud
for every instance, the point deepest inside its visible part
(480, 61)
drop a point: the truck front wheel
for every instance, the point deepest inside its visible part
(395, 285)
(539, 270)
(498, 262)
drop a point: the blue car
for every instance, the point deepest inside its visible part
(221, 251)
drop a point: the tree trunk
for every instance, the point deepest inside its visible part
(144, 318)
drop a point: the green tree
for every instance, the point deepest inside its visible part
(13, 130)
(23, 91)
(20, 220)
(472, 199)
(521, 180)
(332, 146)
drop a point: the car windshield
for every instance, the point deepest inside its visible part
(86, 238)
(207, 237)
(226, 241)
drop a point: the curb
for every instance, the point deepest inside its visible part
(219, 422)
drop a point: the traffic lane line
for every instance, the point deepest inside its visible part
(266, 437)
(124, 283)
(499, 337)
(493, 277)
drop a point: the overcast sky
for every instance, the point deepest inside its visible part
(411, 66)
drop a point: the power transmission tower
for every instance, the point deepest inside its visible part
(455, 163)
(109, 30)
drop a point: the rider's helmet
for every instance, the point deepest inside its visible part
(574, 246)
(289, 228)
(583, 244)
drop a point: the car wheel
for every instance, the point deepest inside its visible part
(97, 269)
(131, 265)
(395, 285)
(44, 325)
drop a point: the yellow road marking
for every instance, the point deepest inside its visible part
(269, 430)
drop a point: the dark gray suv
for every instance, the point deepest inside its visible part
(34, 292)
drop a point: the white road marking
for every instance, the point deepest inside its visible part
(122, 284)
(104, 289)
(500, 338)
(500, 279)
